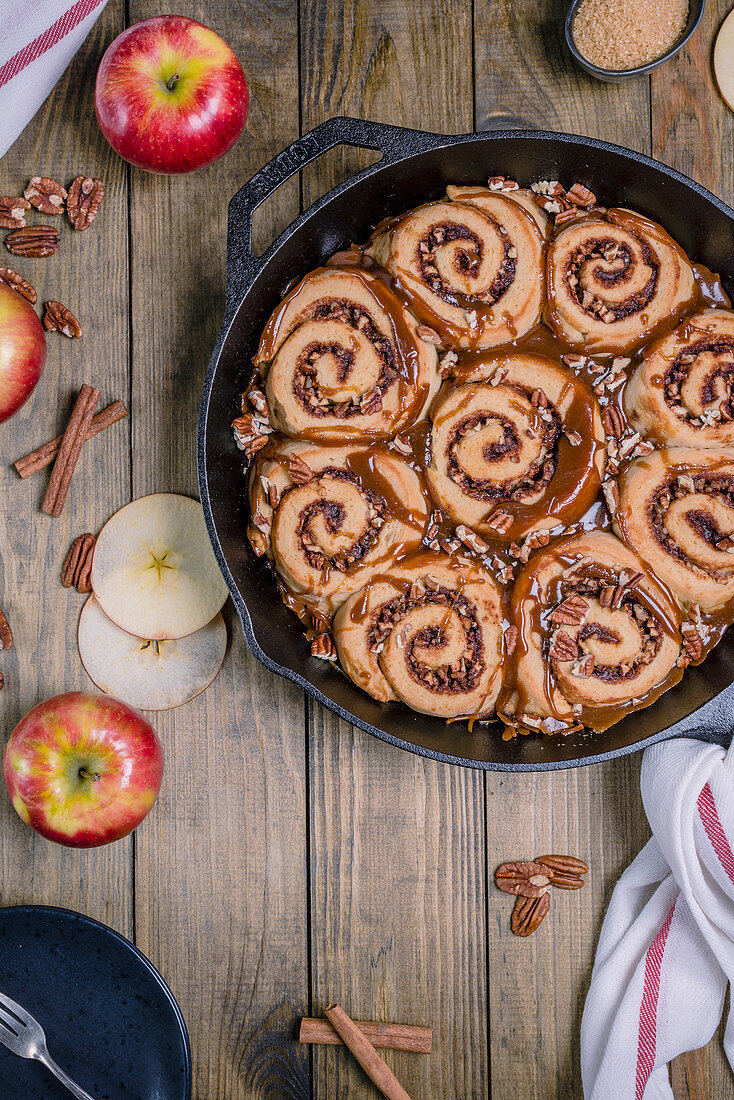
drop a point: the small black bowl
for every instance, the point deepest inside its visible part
(617, 76)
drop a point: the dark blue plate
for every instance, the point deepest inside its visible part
(110, 1020)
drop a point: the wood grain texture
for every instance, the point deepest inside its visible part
(89, 273)
(397, 867)
(691, 130)
(221, 885)
(525, 78)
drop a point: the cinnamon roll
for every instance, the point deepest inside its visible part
(596, 632)
(613, 279)
(682, 393)
(518, 446)
(427, 631)
(343, 359)
(471, 266)
(332, 517)
(676, 509)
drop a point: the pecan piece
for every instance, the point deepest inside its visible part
(692, 641)
(511, 636)
(299, 471)
(528, 915)
(612, 420)
(17, 282)
(84, 198)
(581, 195)
(564, 648)
(77, 568)
(323, 646)
(33, 241)
(565, 871)
(429, 335)
(12, 212)
(471, 539)
(6, 634)
(46, 195)
(523, 877)
(500, 521)
(59, 318)
(571, 612)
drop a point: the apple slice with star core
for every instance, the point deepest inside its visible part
(154, 572)
(151, 675)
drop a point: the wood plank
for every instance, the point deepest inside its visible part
(221, 890)
(397, 862)
(691, 130)
(89, 274)
(524, 77)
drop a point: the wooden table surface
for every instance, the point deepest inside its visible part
(293, 860)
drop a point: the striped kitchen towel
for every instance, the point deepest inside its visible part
(37, 42)
(666, 949)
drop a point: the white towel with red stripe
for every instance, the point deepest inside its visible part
(37, 42)
(666, 949)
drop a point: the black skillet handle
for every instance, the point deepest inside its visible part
(391, 141)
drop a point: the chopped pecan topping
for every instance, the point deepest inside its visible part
(17, 282)
(511, 636)
(429, 335)
(46, 195)
(613, 422)
(526, 878)
(564, 648)
(6, 634)
(83, 201)
(34, 241)
(611, 495)
(538, 399)
(12, 212)
(528, 915)
(500, 521)
(76, 571)
(571, 612)
(372, 402)
(59, 318)
(401, 445)
(692, 641)
(471, 539)
(258, 401)
(565, 871)
(299, 471)
(323, 646)
(581, 195)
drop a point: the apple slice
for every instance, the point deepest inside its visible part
(154, 572)
(152, 675)
(724, 60)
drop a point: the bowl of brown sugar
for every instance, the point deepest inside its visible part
(619, 40)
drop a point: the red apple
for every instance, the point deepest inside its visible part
(170, 95)
(83, 769)
(22, 351)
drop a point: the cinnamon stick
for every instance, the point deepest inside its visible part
(43, 456)
(69, 450)
(376, 1069)
(385, 1036)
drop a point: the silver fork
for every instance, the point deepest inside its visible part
(22, 1033)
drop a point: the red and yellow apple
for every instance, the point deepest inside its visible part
(83, 769)
(22, 351)
(170, 95)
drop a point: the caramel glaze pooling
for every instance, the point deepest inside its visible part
(542, 339)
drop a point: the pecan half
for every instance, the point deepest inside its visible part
(571, 612)
(323, 646)
(511, 636)
(59, 318)
(429, 335)
(299, 471)
(83, 201)
(528, 879)
(692, 641)
(528, 915)
(565, 871)
(46, 195)
(77, 568)
(17, 282)
(33, 240)
(612, 420)
(564, 648)
(581, 195)
(6, 634)
(471, 539)
(12, 212)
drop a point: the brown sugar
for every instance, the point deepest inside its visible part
(622, 34)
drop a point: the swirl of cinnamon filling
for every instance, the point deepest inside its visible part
(613, 279)
(470, 267)
(331, 517)
(343, 359)
(682, 393)
(518, 446)
(427, 631)
(595, 632)
(676, 509)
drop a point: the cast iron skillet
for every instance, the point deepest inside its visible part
(416, 167)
